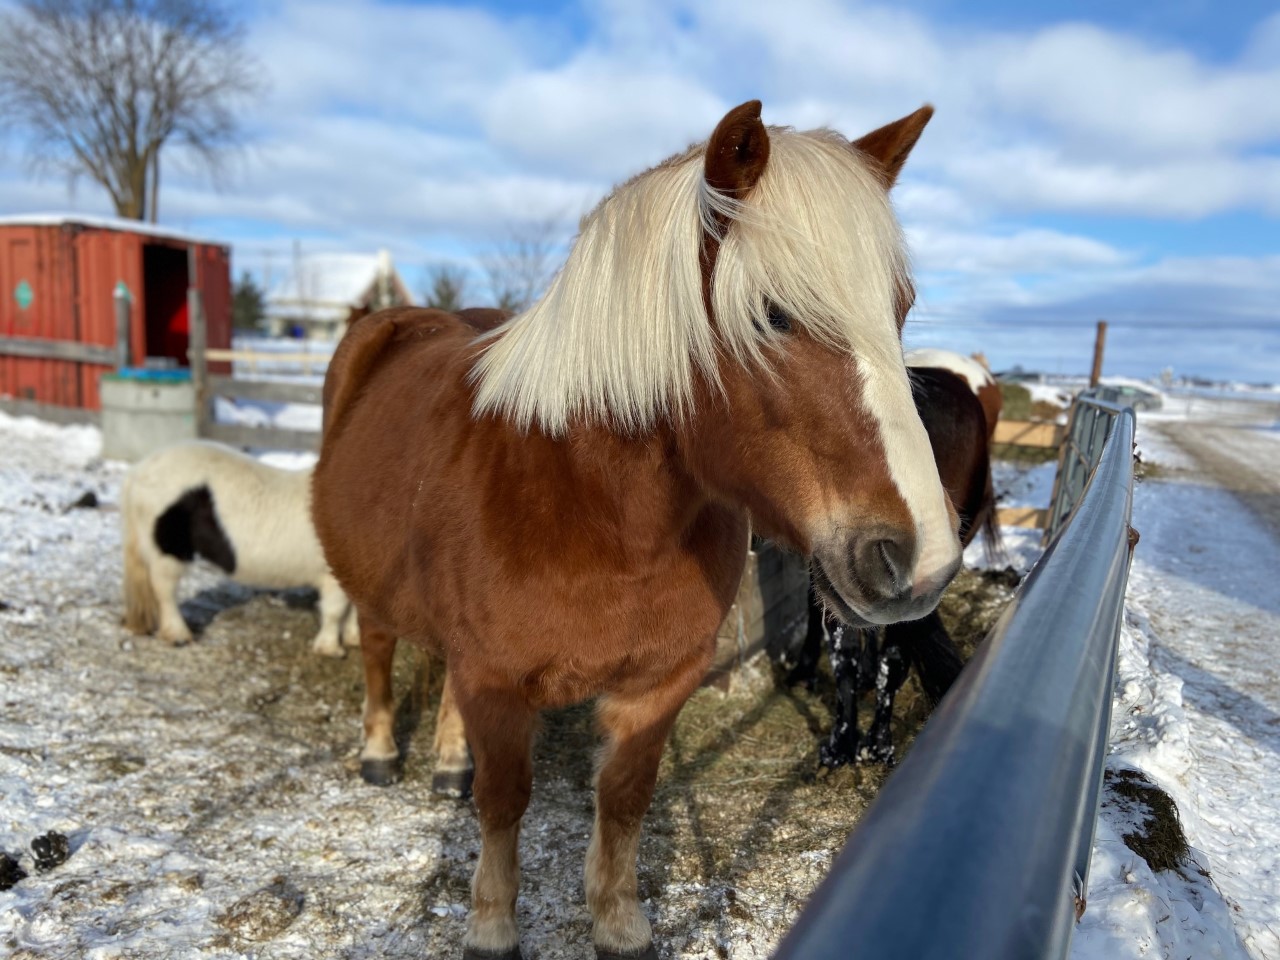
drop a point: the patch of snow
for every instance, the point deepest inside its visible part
(261, 413)
(73, 445)
(1022, 485)
(103, 223)
(1059, 396)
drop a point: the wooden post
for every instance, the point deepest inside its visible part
(123, 304)
(196, 344)
(1099, 345)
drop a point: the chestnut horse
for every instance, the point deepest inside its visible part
(956, 421)
(559, 507)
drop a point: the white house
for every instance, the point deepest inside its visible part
(323, 292)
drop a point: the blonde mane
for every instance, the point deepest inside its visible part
(622, 332)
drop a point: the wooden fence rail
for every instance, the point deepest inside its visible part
(209, 387)
(42, 349)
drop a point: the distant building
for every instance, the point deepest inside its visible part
(325, 291)
(60, 275)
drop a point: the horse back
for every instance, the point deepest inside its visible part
(366, 344)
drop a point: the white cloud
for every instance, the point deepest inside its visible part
(595, 118)
(429, 129)
(1029, 179)
(1116, 93)
(1023, 252)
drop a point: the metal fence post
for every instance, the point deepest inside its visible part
(196, 343)
(124, 304)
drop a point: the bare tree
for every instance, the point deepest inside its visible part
(519, 267)
(103, 85)
(445, 287)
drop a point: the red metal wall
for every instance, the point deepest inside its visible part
(102, 259)
(213, 275)
(72, 271)
(39, 257)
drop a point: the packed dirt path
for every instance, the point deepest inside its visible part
(1240, 458)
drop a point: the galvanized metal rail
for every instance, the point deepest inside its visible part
(1092, 415)
(978, 846)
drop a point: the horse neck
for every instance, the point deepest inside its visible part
(628, 490)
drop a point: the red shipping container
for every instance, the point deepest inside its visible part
(58, 276)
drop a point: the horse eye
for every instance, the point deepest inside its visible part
(778, 318)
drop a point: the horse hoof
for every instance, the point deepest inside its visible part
(452, 783)
(470, 953)
(381, 773)
(648, 953)
(877, 754)
(832, 758)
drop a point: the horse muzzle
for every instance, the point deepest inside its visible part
(873, 580)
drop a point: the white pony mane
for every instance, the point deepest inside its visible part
(622, 330)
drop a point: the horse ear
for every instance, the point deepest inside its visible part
(890, 145)
(737, 151)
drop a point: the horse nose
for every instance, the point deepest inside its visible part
(883, 564)
(931, 585)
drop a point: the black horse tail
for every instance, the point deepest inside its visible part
(987, 520)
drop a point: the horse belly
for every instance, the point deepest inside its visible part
(566, 639)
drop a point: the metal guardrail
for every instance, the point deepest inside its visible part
(978, 846)
(1092, 415)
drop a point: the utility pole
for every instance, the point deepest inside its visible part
(1099, 345)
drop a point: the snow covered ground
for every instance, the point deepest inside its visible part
(213, 811)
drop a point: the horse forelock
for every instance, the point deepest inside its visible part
(622, 334)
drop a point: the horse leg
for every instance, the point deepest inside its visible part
(454, 771)
(635, 726)
(333, 604)
(351, 627)
(165, 573)
(806, 669)
(501, 730)
(934, 655)
(868, 653)
(379, 759)
(891, 674)
(846, 665)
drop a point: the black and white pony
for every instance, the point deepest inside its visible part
(956, 423)
(251, 520)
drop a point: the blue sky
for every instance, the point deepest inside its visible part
(1088, 159)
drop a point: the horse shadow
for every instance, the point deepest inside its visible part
(201, 608)
(719, 901)
(1209, 693)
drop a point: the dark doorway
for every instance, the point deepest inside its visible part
(164, 278)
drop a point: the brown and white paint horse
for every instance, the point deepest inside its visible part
(559, 507)
(973, 371)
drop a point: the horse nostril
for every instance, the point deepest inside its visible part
(884, 564)
(897, 562)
